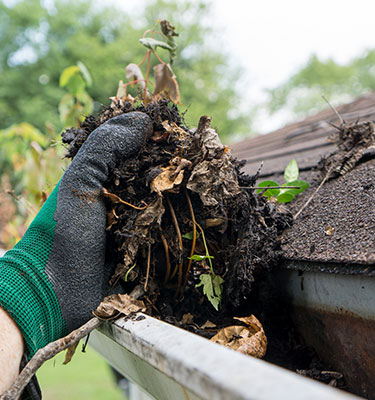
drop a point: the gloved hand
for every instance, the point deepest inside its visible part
(55, 276)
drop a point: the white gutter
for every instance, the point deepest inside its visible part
(169, 363)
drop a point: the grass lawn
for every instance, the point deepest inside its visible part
(87, 376)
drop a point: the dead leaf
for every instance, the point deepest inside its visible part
(249, 339)
(208, 325)
(70, 353)
(144, 223)
(112, 218)
(175, 131)
(214, 178)
(187, 318)
(166, 180)
(134, 73)
(118, 304)
(165, 81)
(329, 231)
(159, 136)
(170, 177)
(212, 222)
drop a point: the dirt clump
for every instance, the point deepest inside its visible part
(178, 212)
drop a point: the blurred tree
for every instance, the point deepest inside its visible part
(38, 39)
(302, 92)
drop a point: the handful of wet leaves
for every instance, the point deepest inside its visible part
(181, 222)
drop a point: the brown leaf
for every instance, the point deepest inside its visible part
(211, 222)
(170, 177)
(187, 318)
(214, 178)
(118, 304)
(112, 218)
(175, 131)
(329, 231)
(167, 180)
(159, 136)
(165, 81)
(249, 339)
(70, 353)
(208, 325)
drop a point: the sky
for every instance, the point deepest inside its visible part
(272, 39)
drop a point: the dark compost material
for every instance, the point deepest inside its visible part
(182, 175)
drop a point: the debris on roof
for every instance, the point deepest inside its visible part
(338, 225)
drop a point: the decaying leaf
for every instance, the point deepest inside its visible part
(70, 353)
(118, 304)
(187, 318)
(352, 140)
(165, 82)
(208, 325)
(211, 222)
(329, 231)
(166, 180)
(112, 218)
(170, 177)
(175, 131)
(214, 178)
(144, 223)
(134, 73)
(249, 339)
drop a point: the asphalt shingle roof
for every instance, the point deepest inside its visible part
(339, 224)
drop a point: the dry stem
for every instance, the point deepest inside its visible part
(118, 199)
(45, 354)
(166, 250)
(313, 195)
(178, 231)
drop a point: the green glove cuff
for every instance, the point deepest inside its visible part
(26, 292)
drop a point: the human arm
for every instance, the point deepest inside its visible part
(57, 274)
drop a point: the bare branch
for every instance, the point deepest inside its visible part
(46, 353)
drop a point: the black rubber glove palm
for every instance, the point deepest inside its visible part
(55, 276)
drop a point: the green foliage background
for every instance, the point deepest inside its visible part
(339, 83)
(37, 42)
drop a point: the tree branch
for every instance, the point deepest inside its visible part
(46, 353)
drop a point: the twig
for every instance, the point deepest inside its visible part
(313, 195)
(178, 231)
(45, 354)
(175, 223)
(334, 110)
(148, 265)
(166, 250)
(270, 187)
(193, 243)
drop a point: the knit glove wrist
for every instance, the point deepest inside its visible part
(55, 276)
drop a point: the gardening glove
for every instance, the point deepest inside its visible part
(55, 276)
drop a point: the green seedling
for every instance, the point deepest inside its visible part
(212, 283)
(286, 195)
